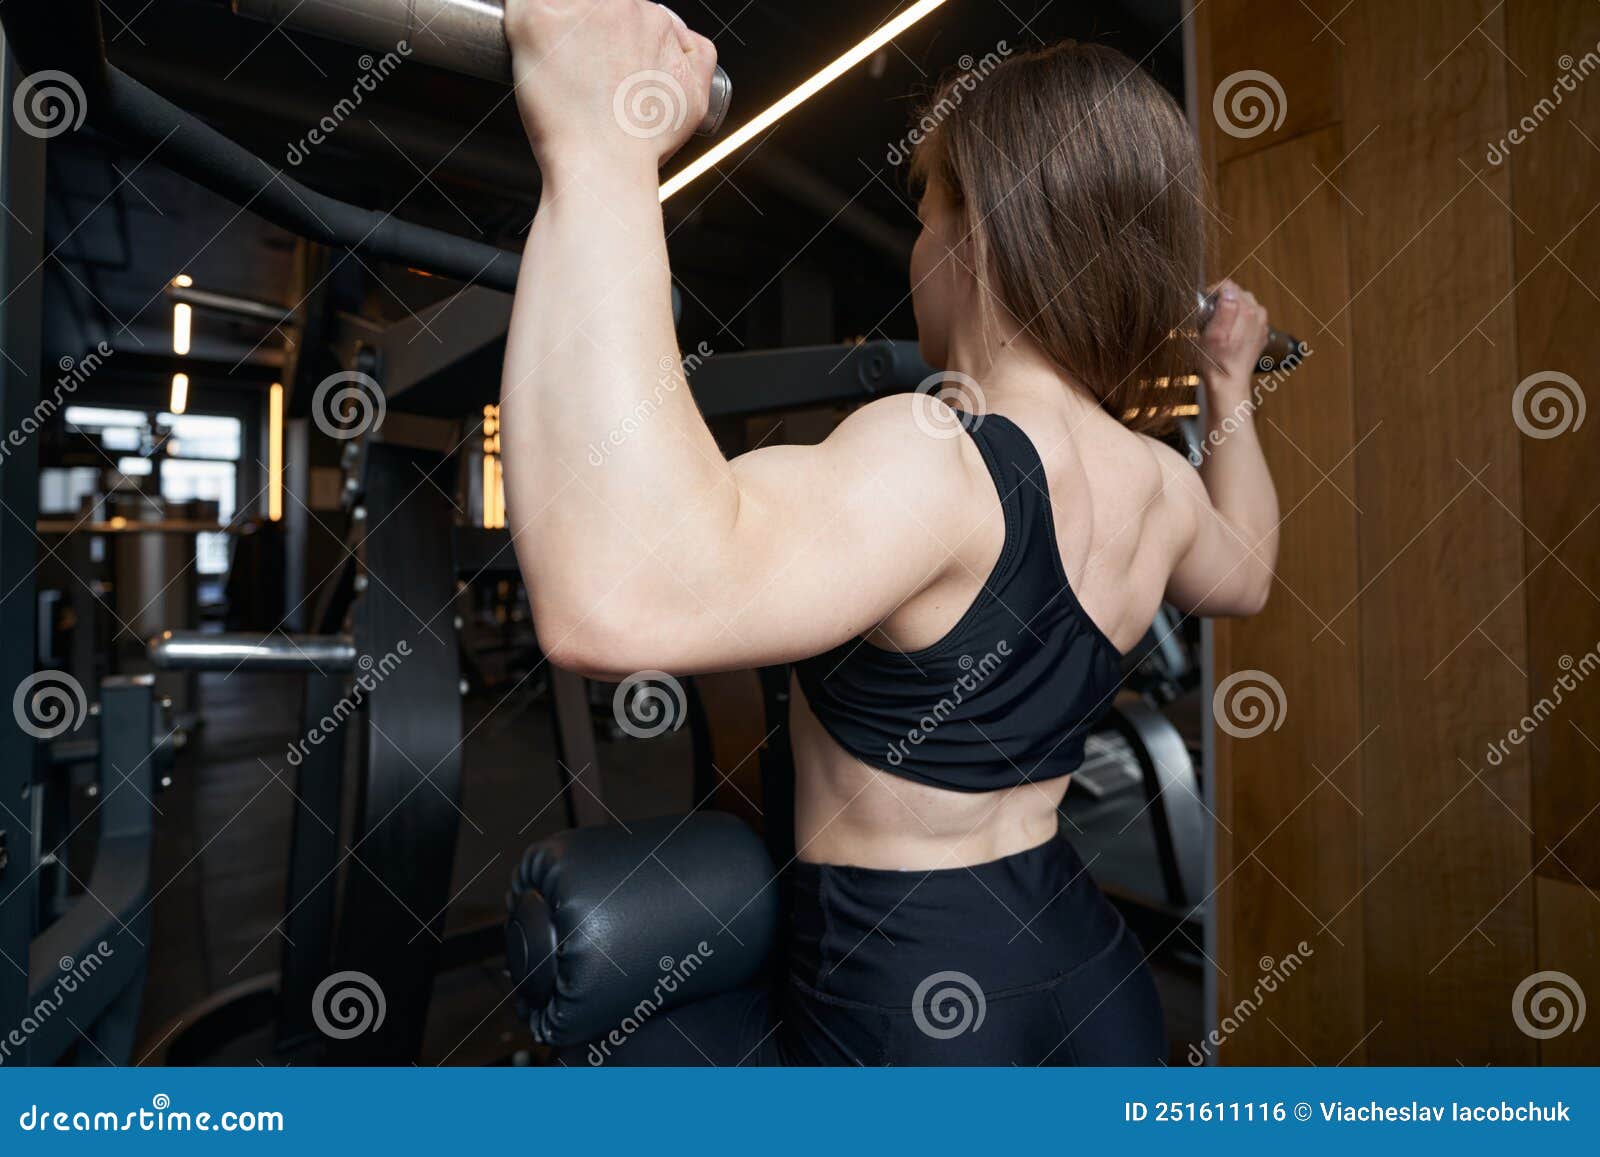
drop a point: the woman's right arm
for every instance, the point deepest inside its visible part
(1229, 508)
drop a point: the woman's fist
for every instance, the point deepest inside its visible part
(624, 78)
(1232, 340)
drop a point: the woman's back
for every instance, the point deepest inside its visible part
(1113, 538)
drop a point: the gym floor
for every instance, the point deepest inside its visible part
(221, 861)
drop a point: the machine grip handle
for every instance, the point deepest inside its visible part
(1283, 350)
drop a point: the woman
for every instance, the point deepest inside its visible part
(955, 588)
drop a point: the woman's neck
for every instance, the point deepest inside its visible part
(1011, 370)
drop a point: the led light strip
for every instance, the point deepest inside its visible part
(182, 323)
(275, 452)
(796, 97)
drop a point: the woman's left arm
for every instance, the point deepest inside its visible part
(641, 545)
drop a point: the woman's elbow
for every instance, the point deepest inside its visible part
(1252, 598)
(597, 641)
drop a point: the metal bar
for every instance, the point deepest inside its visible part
(466, 36)
(579, 758)
(67, 36)
(229, 304)
(22, 181)
(767, 381)
(209, 651)
(144, 120)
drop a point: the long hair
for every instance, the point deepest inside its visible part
(1079, 187)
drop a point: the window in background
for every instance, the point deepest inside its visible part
(202, 436)
(91, 418)
(62, 489)
(183, 480)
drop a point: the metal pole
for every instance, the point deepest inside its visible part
(22, 179)
(466, 36)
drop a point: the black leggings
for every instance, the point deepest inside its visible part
(1016, 961)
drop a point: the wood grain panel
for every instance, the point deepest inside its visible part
(1293, 836)
(1556, 188)
(1290, 43)
(1448, 904)
(1569, 943)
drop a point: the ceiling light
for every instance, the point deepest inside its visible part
(275, 452)
(182, 321)
(797, 96)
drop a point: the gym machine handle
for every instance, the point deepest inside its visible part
(466, 36)
(210, 651)
(1282, 351)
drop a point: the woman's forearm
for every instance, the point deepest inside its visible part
(594, 408)
(1237, 478)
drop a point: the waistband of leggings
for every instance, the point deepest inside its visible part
(867, 933)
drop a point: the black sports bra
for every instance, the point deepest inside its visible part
(1011, 692)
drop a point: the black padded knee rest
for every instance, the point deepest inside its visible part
(608, 923)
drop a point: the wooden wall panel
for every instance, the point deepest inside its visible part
(1291, 838)
(1569, 943)
(1288, 41)
(1442, 628)
(1555, 192)
(1468, 266)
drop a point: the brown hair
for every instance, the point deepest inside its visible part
(1080, 192)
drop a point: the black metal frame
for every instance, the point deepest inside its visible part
(110, 923)
(66, 35)
(409, 803)
(22, 177)
(375, 902)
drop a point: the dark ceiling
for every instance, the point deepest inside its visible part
(798, 238)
